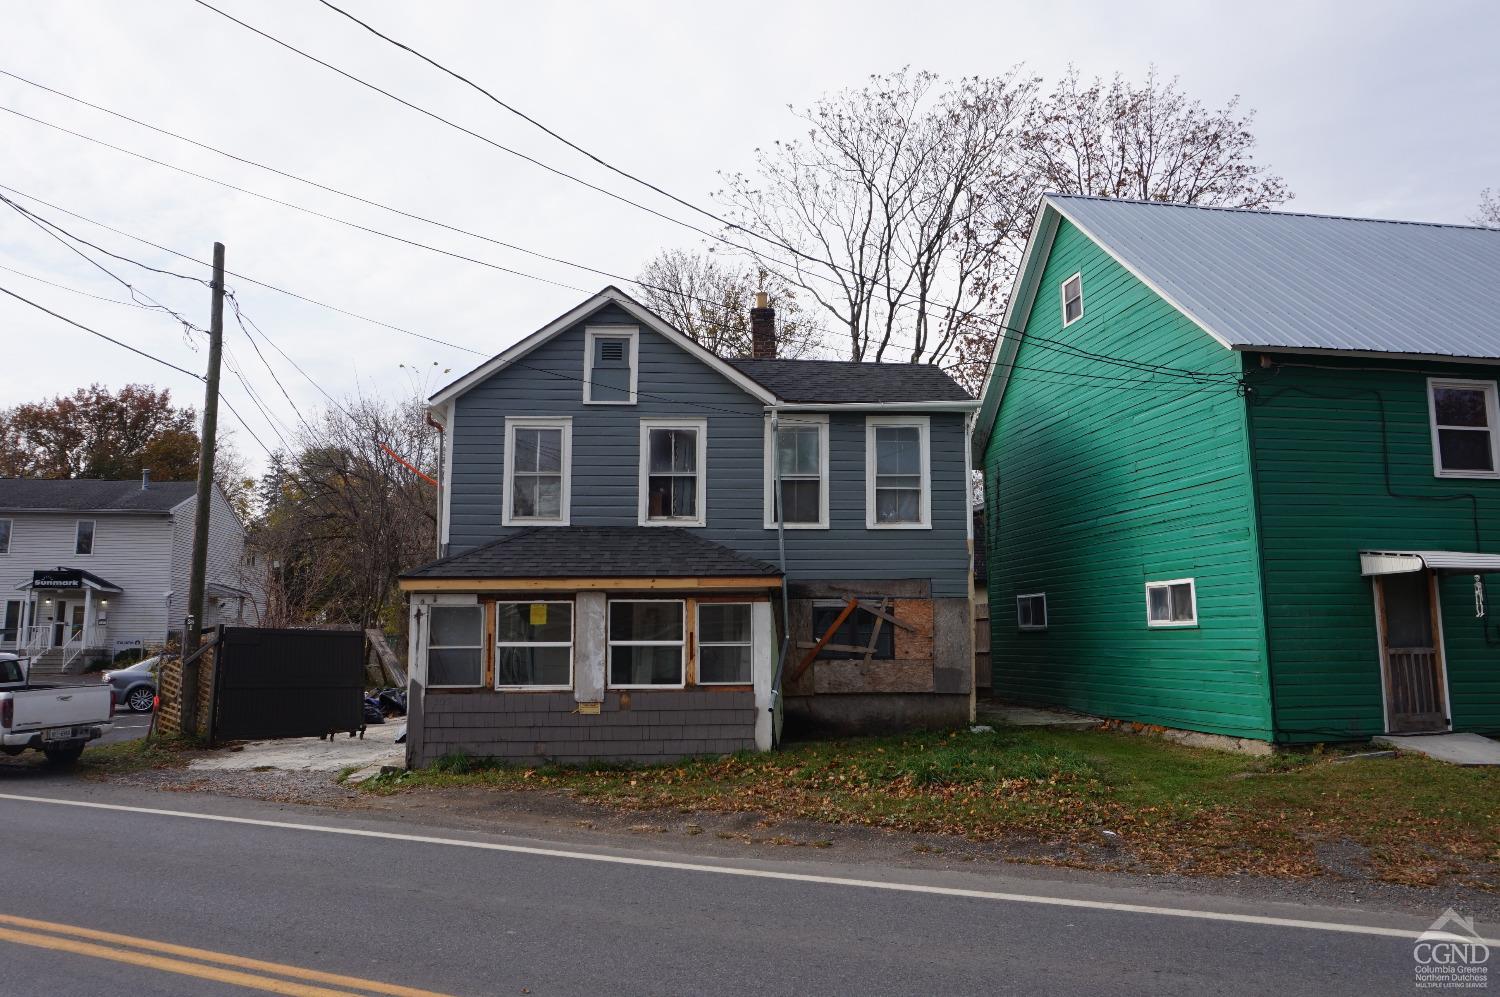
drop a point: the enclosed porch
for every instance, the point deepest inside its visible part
(575, 644)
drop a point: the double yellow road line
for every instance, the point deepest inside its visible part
(183, 960)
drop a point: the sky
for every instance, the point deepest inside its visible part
(1365, 108)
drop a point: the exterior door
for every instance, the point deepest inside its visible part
(60, 624)
(1411, 654)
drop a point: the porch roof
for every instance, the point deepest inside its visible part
(651, 554)
(86, 579)
(1396, 562)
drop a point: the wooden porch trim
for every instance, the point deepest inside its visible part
(586, 584)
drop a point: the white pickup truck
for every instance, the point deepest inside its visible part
(58, 720)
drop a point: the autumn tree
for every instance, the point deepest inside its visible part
(1488, 214)
(341, 517)
(708, 296)
(97, 433)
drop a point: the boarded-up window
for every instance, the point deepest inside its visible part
(854, 632)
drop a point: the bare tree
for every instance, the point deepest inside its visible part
(708, 296)
(1488, 214)
(1148, 142)
(895, 211)
(1144, 142)
(343, 516)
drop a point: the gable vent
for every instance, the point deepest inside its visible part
(612, 349)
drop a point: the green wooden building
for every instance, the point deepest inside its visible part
(1242, 472)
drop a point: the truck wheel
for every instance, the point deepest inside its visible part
(63, 757)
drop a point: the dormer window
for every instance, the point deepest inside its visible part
(1072, 299)
(609, 365)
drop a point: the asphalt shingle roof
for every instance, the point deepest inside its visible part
(840, 381)
(598, 552)
(92, 495)
(1282, 279)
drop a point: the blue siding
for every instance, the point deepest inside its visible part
(670, 383)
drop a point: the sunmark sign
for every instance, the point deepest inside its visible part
(61, 578)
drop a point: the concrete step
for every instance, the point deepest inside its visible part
(1457, 749)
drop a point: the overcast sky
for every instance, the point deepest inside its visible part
(1366, 108)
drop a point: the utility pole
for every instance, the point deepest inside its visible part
(192, 634)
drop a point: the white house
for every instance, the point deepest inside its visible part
(90, 568)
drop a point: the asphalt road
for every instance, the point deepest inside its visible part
(449, 917)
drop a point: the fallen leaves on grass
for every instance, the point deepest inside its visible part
(1167, 808)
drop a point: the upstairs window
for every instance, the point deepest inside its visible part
(538, 471)
(609, 365)
(1463, 416)
(672, 487)
(1172, 604)
(1072, 299)
(1031, 611)
(897, 473)
(4, 536)
(799, 458)
(83, 538)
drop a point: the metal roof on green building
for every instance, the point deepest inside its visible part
(1277, 279)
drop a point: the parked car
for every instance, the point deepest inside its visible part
(135, 686)
(57, 720)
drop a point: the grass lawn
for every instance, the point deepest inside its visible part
(1175, 809)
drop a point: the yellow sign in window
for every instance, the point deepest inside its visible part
(538, 614)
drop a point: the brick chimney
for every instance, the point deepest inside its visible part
(763, 328)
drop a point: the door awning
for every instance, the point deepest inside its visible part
(1397, 562)
(67, 578)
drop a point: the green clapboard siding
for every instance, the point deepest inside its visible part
(1321, 461)
(1095, 486)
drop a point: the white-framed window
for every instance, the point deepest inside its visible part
(5, 527)
(1031, 611)
(538, 471)
(83, 538)
(534, 645)
(799, 454)
(1172, 603)
(610, 355)
(673, 484)
(898, 472)
(726, 643)
(455, 646)
(1465, 441)
(646, 640)
(1072, 299)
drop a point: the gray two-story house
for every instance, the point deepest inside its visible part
(91, 568)
(651, 551)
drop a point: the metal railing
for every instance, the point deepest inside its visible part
(72, 648)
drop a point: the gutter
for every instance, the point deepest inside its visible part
(969, 405)
(786, 609)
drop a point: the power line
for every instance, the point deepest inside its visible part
(902, 294)
(48, 228)
(73, 290)
(346, 194)
(608, 193)
(1067, 347)
(521, 364)
(138, 352)
(103, 336)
